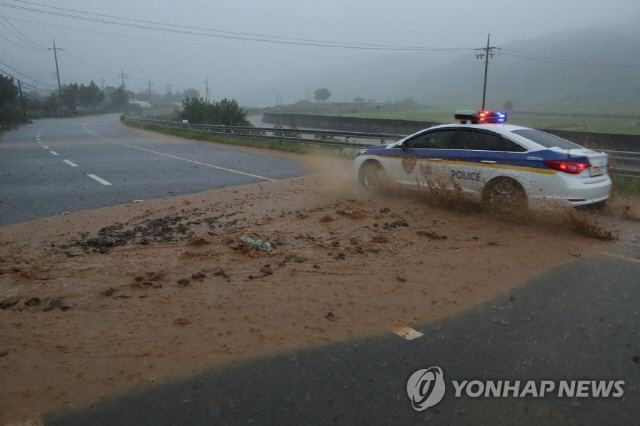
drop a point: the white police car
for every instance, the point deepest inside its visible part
(499, 164)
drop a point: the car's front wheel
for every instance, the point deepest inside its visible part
(504, 194)
(372, 176)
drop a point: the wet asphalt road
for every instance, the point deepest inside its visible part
(55, 166)
(578, 321)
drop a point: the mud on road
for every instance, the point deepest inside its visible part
(167, 287)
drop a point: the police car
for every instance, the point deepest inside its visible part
(488, 161)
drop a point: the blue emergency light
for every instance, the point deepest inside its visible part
(480, 117)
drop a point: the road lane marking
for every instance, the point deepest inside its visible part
(45, 147)
(619, 256)
(71, 163)
(408, 333)
(99, 179)
(54, 153)
(178, 158)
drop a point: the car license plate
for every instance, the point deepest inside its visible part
(596, 171)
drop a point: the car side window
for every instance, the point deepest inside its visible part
(438, 139)
(484, 141)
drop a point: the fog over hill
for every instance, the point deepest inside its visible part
(593, 66)
(590, 67)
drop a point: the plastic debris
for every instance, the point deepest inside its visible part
(257, 243)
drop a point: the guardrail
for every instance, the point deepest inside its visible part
(319, 137)
(627, 163)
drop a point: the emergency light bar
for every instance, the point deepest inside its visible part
(479, 117)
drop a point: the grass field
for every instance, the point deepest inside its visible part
(617, 121)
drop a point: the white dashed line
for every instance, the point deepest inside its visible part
(54, 153)
(45, 147)
(71, 163)
(178, 158)
(408, 333)
(99, 179)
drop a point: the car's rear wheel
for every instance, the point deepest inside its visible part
(372, 176)
(504, 194)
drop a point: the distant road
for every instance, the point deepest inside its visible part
(54, 166)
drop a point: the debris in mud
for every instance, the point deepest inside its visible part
(353, 214)
(108, 292)
(223, 274)
(259, 244)
(149, 279)
(181, 322)
(431, 235)
(34, 301)
(3, 354)
(381, 239)
(160, 230)
(385, 210)
(9, 302)
(184, 282)
(330, 316)
(123, 296)
(326, 219)
(308, 238)
(397, 224)
(636, 359)
(264, 271)
(52, 304)
(280, 241)
(316, 266)
(198, 276)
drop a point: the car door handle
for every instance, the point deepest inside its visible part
(488, 161)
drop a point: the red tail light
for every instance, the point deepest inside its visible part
(566, 166)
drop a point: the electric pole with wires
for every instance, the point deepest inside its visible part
(55, 55)
(487, 52)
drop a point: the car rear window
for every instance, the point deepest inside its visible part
(546, 139)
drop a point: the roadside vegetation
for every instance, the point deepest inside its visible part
(286, 146)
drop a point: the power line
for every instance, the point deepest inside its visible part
(37, 89)
(376, 59)
(182, 29)
(23, 75)
(538, 58)
(21, 35)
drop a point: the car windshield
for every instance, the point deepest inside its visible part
(546, 139)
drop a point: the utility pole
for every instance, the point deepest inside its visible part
(102, 83)
(55, 55)
(150, 93)
(169, 89)
(206, 90)
(123, 76)
(24, 111)
(488, 51)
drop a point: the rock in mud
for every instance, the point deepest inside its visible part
(184, 281)
(9, 302)
(34, 301)
(52, 304)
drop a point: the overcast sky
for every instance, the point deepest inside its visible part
(253, 71)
